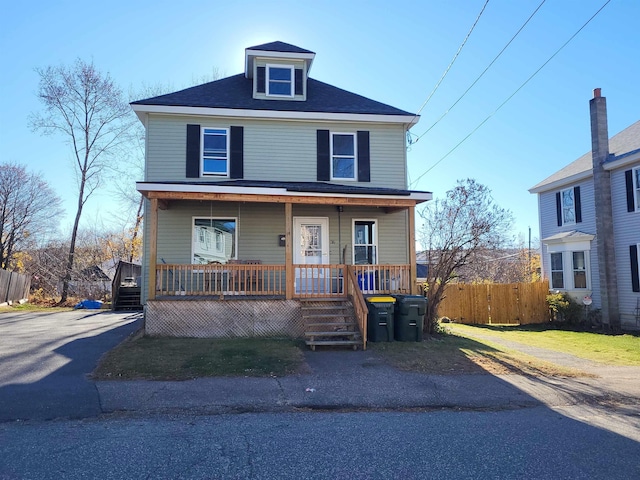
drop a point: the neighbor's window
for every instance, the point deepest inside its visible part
(364, 242)
(557, 275)
(214, 240)
(579, 270)
(568, 206)
(343, 156)
(280, 80)
(215, 151)
(636, 186)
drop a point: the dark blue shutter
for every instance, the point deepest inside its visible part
(236, 164)
(628, 177)
(577, 204)
(635, 278)
(559, 209)
(260, 80)
(193, 151)
(364, 169)
(298, 79)
(324, 170)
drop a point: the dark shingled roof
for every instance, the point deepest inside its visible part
(311, 187)
(236, 92)
(280, 47)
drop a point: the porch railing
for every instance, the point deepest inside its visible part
(253, 279)
(359, 305)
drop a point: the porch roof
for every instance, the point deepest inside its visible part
(279, 192)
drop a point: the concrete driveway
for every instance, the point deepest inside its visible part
(45, 358)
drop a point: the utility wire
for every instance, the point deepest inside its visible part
(482, 74)
(452, 60)
(512, 95)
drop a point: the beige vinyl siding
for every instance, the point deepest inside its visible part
(275, 150)
(626, 226)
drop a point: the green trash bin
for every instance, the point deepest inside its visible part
(409, 317)
(380, 318)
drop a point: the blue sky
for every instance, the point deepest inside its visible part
(393, 52)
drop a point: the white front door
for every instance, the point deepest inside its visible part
(311, 247)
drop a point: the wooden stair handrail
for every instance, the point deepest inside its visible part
(359, 304)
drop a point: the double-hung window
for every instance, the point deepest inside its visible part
(215, 151)
(636, 187)
(557, 271)
(568, 206)
(343, 156)
(579, 270)
(364, 242)
(280, 80)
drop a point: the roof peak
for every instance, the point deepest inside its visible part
(279, 46)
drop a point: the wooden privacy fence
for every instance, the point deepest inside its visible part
(13, 286)
(510, 303)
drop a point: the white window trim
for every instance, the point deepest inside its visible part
(567, 250)
(375, 238)
(551, 270)
(636, 188)
(355, 156)
(267, 75)
(223, 218)
(573, 194)
(202, 134)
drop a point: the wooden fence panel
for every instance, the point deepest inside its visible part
(515, 303)
(13, 286)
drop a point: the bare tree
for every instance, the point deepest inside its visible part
(29, 209)
(88, 109)
(456, 228)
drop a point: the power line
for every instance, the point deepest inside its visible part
(483, 72)
(513, 94)
(453, 59)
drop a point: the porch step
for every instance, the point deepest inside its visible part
(330, 322)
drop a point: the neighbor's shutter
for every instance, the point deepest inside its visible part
(324, 170)
(559, 209)
(628, 177)
(577, 204)
(364, 174)
(635, 279)
(298, 72)
(260, 80)
(236, 164)
(193, 151)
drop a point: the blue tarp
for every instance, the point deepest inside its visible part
(89, 304)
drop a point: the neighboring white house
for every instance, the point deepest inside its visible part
(589, 215)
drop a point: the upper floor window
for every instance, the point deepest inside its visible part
(632, 179)
(568, 206)
(215, 151)
(343, 156)
(364, 242)
(280, 80)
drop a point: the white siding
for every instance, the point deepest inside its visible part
(627, 232)
(274, 150)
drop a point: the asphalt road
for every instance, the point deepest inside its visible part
(531, 443)
(44, 359)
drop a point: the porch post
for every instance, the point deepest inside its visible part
(412, 250)
(288, 257)
(153, 248)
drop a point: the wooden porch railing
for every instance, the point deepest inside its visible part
(359, 305)
(251, 278)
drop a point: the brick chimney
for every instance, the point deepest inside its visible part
(604, 212)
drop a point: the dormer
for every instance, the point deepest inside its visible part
(279, 71)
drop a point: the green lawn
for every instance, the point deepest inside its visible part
(608, 349)
(186, 358)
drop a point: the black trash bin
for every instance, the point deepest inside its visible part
(380, 318)
(409, 317)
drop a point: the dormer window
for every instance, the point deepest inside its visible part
(280, 80)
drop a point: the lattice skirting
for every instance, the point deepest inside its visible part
(224, 318)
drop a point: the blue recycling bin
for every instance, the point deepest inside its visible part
(366, 281)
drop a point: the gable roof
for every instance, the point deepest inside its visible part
(236, 92)
(621, 146)
(279, 47)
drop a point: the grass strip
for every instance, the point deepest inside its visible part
(186, 358)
